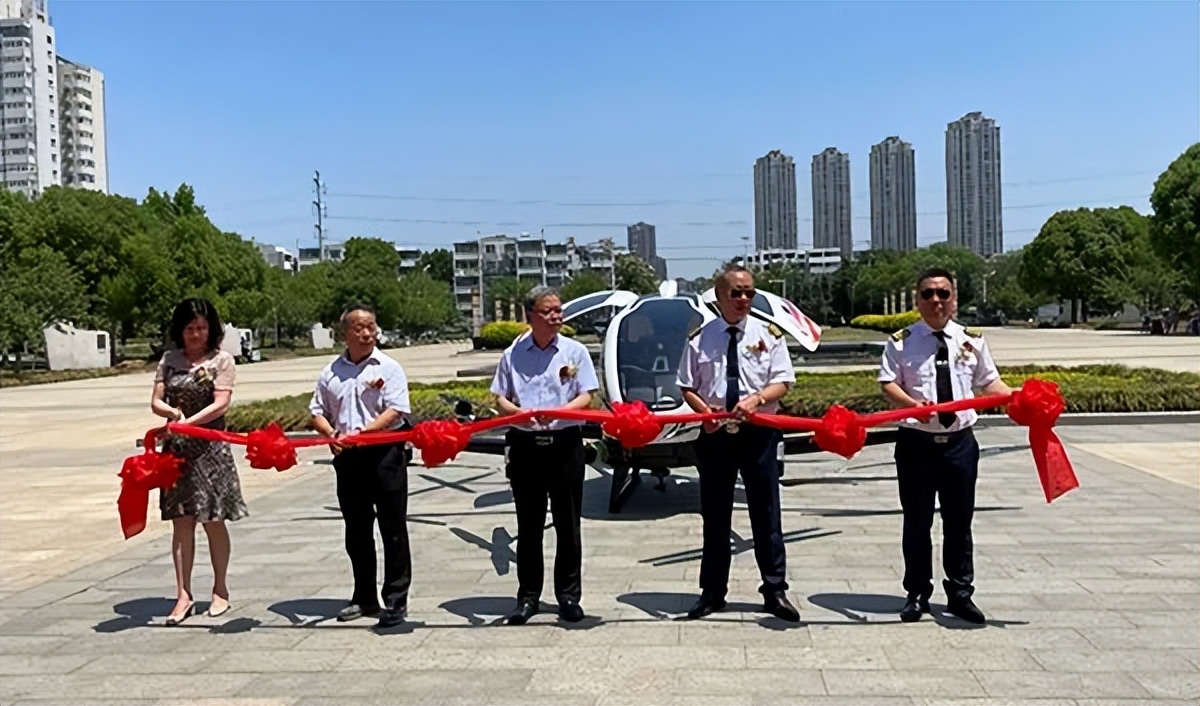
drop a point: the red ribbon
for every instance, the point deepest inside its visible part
(139, 475)
(1037, 406)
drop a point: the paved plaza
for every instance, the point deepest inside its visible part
(1094, 599)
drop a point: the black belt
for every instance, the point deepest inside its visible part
(543, 438)
(935, 437)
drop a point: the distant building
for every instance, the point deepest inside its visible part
(814, 260)
(334, 252)
(277, 257)
(775, 224)
(831, 201)
(893, 196)
(974, 211)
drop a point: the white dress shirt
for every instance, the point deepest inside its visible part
(763, 359)
(910, 363)
(351, 395)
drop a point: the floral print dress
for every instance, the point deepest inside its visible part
(209, 489)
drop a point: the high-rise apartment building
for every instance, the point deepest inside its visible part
(893, 196)
(974, 216)
(52, 128)
(642, 242)
(831, 201)
(775, 202)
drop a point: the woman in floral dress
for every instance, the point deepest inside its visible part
(193, 385)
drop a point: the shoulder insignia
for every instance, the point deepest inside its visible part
(775, 331)
(695, 332)
(901, 335)
(974, 332)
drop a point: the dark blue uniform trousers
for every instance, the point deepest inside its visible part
(945, 466)
(719, 458)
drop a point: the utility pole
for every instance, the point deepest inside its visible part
(318, 202)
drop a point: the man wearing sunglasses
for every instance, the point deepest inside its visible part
(738, 363)
(937, 360)
(545, 370)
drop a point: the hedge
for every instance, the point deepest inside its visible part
(501, 334)
(886, 322)
(1091, 388)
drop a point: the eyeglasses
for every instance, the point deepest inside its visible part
(742, 293)
(942, 294)
(548, 312)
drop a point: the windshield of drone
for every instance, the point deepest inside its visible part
(650, 341)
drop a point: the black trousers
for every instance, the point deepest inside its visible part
(547, 465)
(945, 466)
(720, 456)
(372, 484)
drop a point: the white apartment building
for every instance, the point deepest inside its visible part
(81, 126)
(831, 201)
(814, 260)
(52, 110)
(974, 212)
(775, 224)
(893, 196)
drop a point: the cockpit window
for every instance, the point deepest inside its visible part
(650, 342)
(584, 303)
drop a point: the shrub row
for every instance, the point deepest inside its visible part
(498, 335)
(885, 322)
(1093, 388)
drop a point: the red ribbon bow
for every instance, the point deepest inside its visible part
(841, 432)
(632, 424)
(139, 475)
(1037, 405)
(440, 440)
(270, 448)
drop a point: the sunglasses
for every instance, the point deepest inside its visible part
(549, 312)
(742, 293)
(942, 294)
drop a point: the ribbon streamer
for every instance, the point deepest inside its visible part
(1037, 405)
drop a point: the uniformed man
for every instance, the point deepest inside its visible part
(366, 390)
(937, 360)
(544, 370)
(738, 363)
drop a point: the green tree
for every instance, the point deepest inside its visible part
(38, 287)
(1002, 290)
(426, 304)
(439, 264)
(1175, 225)
(635, 275)
(582, 284)
(1075, 252)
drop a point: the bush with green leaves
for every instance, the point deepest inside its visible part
(497, 335)
(1089, 388)
(886, 322)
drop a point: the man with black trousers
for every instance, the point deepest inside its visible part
(937, 360)
(365, 390)
(738, 363)
(544, 370)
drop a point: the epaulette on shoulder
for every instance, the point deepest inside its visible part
(695, 332)
(775, 331)
(901, 335)
(974, 332)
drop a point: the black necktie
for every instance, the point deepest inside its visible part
(945, 392)
(731, 370)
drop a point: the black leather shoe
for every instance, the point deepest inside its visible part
(966, 609)
(570, 612)
(777, 604)
(355, 611)
(707, 605)
(913, 607)
(526, 609)
(392, 616)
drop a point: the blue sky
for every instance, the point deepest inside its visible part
(580, 118)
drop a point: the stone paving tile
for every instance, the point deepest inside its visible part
(797, 683)
(1180, 684)
(871, 683)
(1059, 685)
(16, 664)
